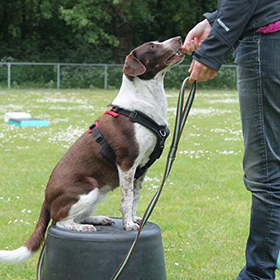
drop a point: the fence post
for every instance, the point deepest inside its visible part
(105, 76)
(9, 75)
(58, 76)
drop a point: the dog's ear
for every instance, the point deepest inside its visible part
(133, 66)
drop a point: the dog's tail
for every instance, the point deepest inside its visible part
(32, 245)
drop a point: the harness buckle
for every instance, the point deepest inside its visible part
(97, 136)
(115, 109)
(163, 133)
(132, 115)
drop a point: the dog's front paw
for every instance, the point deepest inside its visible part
(103, 220)
(70, 225)
(137, 220)
(98, 220)
(85, 228)
(131, 226)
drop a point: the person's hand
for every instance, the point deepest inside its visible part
(196, 36)
(200, 72)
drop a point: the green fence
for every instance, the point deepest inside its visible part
(72, 75)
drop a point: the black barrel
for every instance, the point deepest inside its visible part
(96, 256)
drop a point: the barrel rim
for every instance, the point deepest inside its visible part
(150, 229)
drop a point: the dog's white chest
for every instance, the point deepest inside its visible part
(146, 141)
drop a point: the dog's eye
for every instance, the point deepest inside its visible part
(152, 46)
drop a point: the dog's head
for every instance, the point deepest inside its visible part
(149, 59)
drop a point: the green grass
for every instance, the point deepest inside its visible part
(203, 211)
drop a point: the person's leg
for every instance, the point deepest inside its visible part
(259, 93)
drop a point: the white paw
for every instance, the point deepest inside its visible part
(131, 226)
(70, 225)
(137, 220)
(86, 228)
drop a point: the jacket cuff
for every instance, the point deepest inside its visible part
(211, 17)
(213, 51)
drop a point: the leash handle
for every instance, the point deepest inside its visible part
(181, 118)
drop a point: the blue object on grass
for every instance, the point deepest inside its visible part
(32, 122)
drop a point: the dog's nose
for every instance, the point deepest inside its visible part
(179, 39)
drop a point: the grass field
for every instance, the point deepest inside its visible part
(204, 209)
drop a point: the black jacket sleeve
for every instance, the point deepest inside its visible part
(211, 17)
(229, 23)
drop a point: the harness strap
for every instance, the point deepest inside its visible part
(112, 113)
(161, 132)
(107, 151)
(141, 118)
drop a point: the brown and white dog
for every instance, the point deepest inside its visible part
(82, 177)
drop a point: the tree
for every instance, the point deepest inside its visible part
(107, 22)
(91, 30)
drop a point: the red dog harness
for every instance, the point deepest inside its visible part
(112, 113)
(161, 131)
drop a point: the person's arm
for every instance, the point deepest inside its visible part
(195, 37)
(231, 20)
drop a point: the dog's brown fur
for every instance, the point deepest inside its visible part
(82, 177)
(83, 168)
